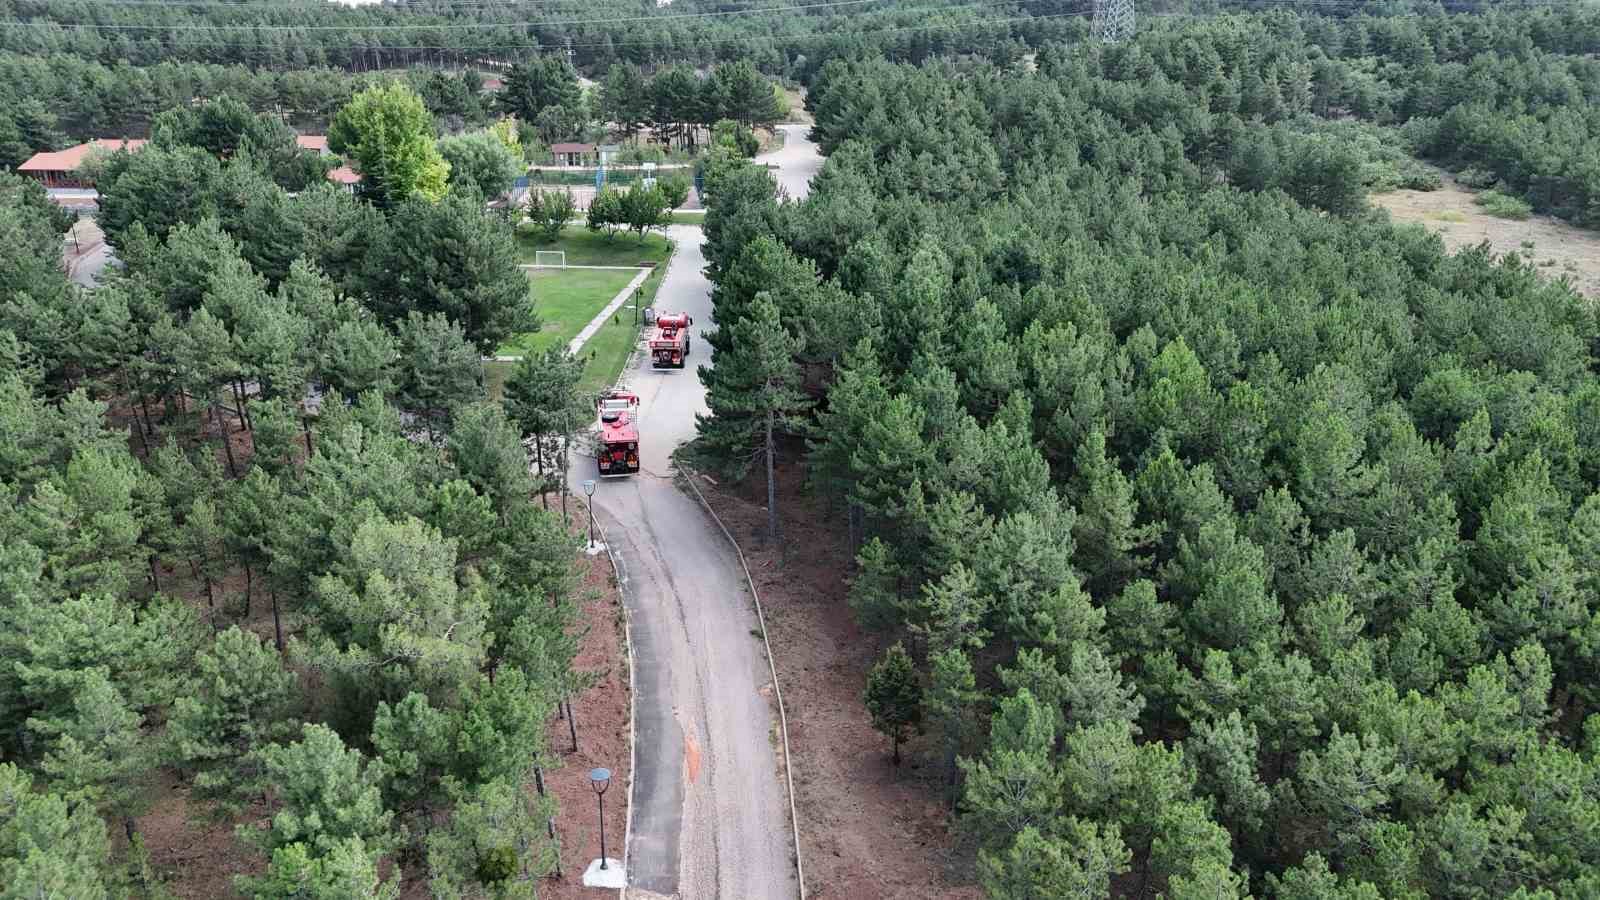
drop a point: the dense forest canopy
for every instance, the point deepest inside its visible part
(1242, 540)
(264, 535)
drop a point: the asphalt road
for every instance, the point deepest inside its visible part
(797, 161)
(84, 268)
(710, 817)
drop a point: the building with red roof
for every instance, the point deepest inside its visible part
(572, 154)
(346, 176)
(59, 168)
(317, 142)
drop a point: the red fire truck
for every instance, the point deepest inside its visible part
(669, 345)
(619, 438)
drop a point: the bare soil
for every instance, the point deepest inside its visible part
(197, 857)
(1558, 249)
(601, 716)
(855, 810)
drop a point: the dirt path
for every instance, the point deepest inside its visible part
(1558, 249)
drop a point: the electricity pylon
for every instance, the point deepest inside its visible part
(1113, 20)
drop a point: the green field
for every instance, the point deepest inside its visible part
(689, 217)
(565, 299)
(606, 352)
(586, 248)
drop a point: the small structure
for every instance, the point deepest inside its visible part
(346, 176)
(492, 85)
(316, 142)
(609, 153)
(59, 169)
(573, 154)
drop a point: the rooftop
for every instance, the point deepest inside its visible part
(317, 142)
(344, 175)
(70, 159)
(571, 148)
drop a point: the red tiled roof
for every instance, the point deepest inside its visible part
(317, 142)
(571, 148)
(344, 175)
(70, 159)
(493, 84)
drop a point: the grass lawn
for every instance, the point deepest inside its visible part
(565, 299)
(586, 248)
(604, 355)
(607, 352)
(689, 217)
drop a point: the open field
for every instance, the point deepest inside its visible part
(606, 352)
(1558, 249)
(587, 248)
(565, 299)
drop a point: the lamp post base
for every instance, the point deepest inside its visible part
(612, 876)
(595, 549)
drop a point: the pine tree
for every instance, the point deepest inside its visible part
(495, 844)
(1079, 863)
(952, 700)
(347, 871)
(438, 370)
(1107, 540)
(328, 794)
(243, 701)
(894, 697)
(754, 394)
(541, 397)
(98, 753)
(49, 847)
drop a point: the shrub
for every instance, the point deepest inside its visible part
(1417, 177)
(1475, 178)
(1503, 205)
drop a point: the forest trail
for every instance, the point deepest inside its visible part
(709, 814)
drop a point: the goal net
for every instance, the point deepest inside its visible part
(551, 259)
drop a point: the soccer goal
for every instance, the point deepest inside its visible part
(550, 259)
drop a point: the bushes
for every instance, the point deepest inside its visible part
(1503, 205)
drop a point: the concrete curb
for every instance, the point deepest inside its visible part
(620, 570)
(783, 720)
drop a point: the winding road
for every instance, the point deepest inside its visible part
(710, 818)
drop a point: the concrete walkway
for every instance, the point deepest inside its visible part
(599, 321)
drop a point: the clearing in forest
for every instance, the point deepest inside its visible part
(607, 350)
(566, 300)
(1555, 247)
(590, 248)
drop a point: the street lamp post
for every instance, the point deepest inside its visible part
(588, 491)
(600, 779)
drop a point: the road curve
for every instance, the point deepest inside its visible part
(797, 161)
(710, 817)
